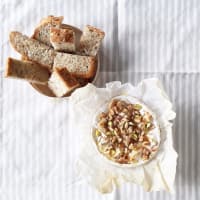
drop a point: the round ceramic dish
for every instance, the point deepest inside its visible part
(44, 89)
(155, 133)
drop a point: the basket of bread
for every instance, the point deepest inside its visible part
(58, 58)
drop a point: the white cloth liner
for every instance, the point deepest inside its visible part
(154, 175)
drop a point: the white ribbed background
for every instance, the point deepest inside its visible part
(159, 38)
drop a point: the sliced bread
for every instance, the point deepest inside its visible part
(42, 32)
(78, 66)
(62, 82)
(32, 49)
(27, 70)
(63, 39)
(90, 41)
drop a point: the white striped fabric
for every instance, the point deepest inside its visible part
(154, 38)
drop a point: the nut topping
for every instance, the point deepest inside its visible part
(122, 133)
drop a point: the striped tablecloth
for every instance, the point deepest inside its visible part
(154, 38)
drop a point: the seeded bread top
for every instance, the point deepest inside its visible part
(62, 35)
(42, 32)
(97, 31)
(90, 41)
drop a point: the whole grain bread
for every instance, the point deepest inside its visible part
(90, 41)
(78, 66)
(63, 39)
(42, 32)
(27, 70)
(32, 49)
(62, 82)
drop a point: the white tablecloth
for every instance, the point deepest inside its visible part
(154, 38)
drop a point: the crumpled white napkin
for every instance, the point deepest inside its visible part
(158, 173)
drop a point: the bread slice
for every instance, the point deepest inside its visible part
(32, 49)
(27, 70)
(42, 32)
(63, 39)
(90, 41)
(62, 82)
(78, 66)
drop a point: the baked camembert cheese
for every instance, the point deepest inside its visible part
(127, 132)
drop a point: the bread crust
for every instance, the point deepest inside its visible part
(26, 70)
(69, 80)
(62, 82)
